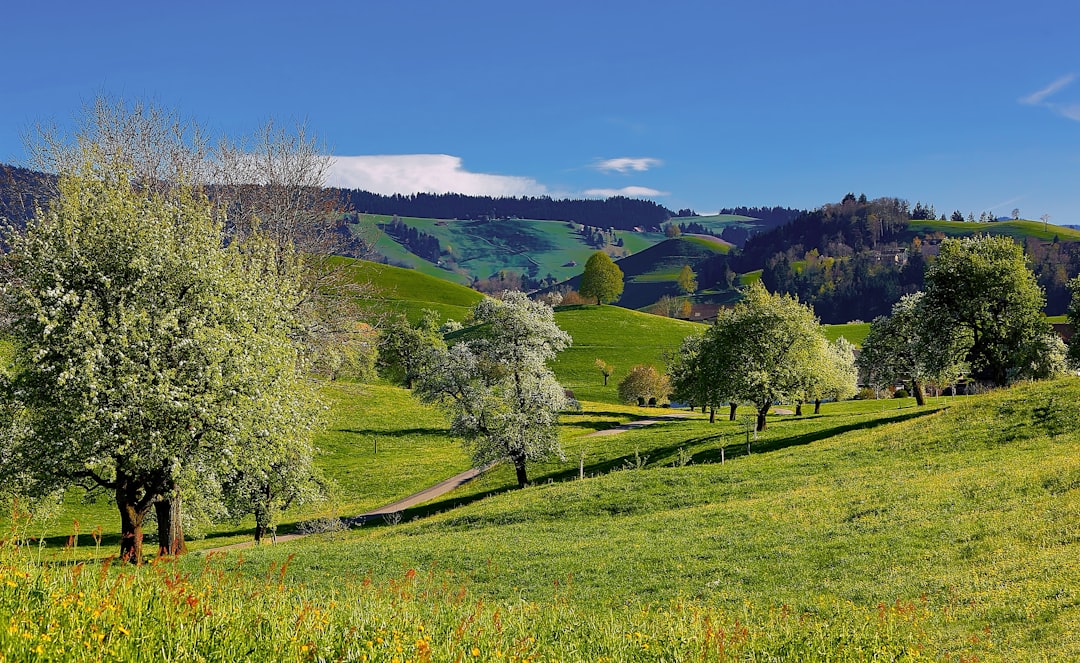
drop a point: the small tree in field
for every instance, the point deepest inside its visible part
(644, 384)
(605, 368)
(687, 280)
(153, 355)
(601, 279)
(502, 398)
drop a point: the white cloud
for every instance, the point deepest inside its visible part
(628, 191)
(627, 164)
(425, 173)
(1038, 97)
(1070, 110)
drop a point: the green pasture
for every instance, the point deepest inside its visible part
(854, 332)
(1015, 229)
(619, 336)
(750, 277)
(964, 509)
(408, 291)
(717, 222)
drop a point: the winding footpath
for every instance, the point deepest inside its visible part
(425, 495)
(439, 489)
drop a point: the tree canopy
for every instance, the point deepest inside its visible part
(495, 384)
(601, 279)
(766, 348)
(155, 356)
(644, 384)
(983, 285)
(913, 345)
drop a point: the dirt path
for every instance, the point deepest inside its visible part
(634, 425)
(425, 495)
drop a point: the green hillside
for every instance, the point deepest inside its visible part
(1016, 229)
(620, 337)
(717, 222)
(483, 248)
(408, 291)
(956, 520)
(652, 273)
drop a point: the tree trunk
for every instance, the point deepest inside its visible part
(916, 389)
(712, 415)
(798, 408)
(519, 465)
(817, 406)
(761, 417)
(170, 526)
(731, 412)
(605, 379)
(262, 516)
(131, 520)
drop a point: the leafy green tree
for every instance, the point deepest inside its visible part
(406, 350)
(1074, 322)
(601, 279)
(156, 357)
(983, 285)
(644, 384)
(834, 375)
(605, 369)
(914, 346)
(687, 280)
(495, 384)
(765, 349)
(691, 378)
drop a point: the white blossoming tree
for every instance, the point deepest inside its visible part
(503, 399)
(154, 357)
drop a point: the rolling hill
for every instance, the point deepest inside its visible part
(479, 249)
(652, 273)
(409, 291)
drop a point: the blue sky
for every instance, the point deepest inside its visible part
(970, 106)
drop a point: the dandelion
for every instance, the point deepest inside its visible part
(475, 651)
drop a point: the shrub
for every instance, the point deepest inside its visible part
(644, 384)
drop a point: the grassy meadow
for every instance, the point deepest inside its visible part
(409, 292)
(1017, 230)
(620, 337)
(876, 530)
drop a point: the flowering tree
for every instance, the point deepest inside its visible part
(503, 399)
(153, 355)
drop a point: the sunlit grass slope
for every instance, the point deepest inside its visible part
(396, 289)
(854, 332)
(966, 510)
(620, 337)
(1015, 229)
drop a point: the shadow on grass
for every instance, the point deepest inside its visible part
(404, 432)
(733, 445)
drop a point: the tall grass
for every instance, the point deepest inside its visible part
(218, 610)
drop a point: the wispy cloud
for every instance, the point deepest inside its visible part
(627, 164)
(1038, 97)
(425, 173)
(1070, 110)
(629, 191)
